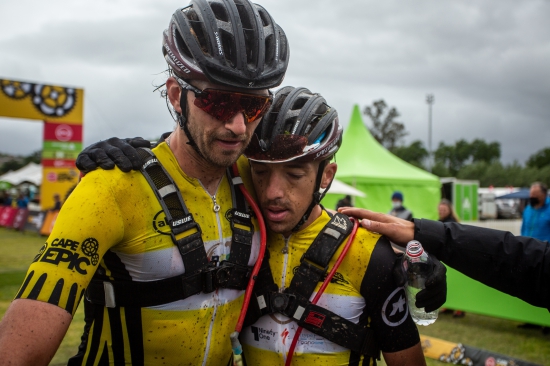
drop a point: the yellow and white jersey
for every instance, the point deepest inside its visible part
(114, 225)
(361, 291)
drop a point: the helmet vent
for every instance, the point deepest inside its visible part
(196, 29)
(299, 103)
(219, 11)
(251, 51)
(266, 20)
(243, 14)
(250, 36)
(269, 49)
(182, 47)
(228, 41)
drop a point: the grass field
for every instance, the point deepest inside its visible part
(17, 250)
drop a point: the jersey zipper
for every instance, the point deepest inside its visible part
(285, 263)
(216, 207)
(215, 300)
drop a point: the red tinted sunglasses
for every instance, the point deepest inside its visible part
(224, 104)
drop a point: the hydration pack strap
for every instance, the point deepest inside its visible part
(241, 223)
(355, 337)
(314, 263)
(180, 220)
(294, 301)
(200, 274)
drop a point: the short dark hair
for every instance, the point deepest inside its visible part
(543, 187)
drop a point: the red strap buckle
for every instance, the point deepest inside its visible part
(315, 319)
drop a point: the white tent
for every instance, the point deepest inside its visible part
(31, 173)
(339, 187)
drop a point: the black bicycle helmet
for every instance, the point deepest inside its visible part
(300, 126)
(229, 42)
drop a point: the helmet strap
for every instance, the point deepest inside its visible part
(317, 196)
(183, 121)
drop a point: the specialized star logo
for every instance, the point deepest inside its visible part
(396, 301)
(398, 306)
(284, 334)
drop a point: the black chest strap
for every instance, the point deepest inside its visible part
(201, 275)
(294, 301)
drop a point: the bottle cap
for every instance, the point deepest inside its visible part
(414, 249)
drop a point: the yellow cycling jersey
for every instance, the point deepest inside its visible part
(113, 225)
(362, 291)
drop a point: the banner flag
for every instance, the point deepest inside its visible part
(62, 144)
(48, 223)
(21, 99)
(7, 215)
(20, 219)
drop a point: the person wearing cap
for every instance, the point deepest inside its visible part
(398, 210)
(137, 248)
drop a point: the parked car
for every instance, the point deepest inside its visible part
(507, 209)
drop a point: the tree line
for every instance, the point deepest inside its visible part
(476, 159)
(12, 162)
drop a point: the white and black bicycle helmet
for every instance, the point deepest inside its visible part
(300, 126)
(228, 42)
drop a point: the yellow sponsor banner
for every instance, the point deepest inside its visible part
(444, 351)
(57, 181)
(21, 99)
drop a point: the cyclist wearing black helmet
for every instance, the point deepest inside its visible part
(362, 310)
(144, 249)
(290, 155)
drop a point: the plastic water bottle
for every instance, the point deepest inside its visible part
(418, 266)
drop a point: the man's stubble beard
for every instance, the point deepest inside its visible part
(205, 143)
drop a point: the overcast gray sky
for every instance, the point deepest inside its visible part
(486, 62)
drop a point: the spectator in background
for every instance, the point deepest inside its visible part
(3, 197)
(22, 200)
(536, 224)
(398, 209)
(536, 216)
(56, 202)
(447, 214)
(446, 211)
(344, 202)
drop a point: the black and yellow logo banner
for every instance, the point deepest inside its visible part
(21, 99)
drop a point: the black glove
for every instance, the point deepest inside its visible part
(105, 154)
(435, 293)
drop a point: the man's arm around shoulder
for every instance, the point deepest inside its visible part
(31, 331)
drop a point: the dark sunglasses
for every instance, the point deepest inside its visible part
(224, 104)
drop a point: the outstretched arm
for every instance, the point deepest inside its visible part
(399, 231)
(31, 331)
(516, 265)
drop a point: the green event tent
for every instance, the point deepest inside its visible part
(366, 165)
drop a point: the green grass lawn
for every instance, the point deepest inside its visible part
(17, 250)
